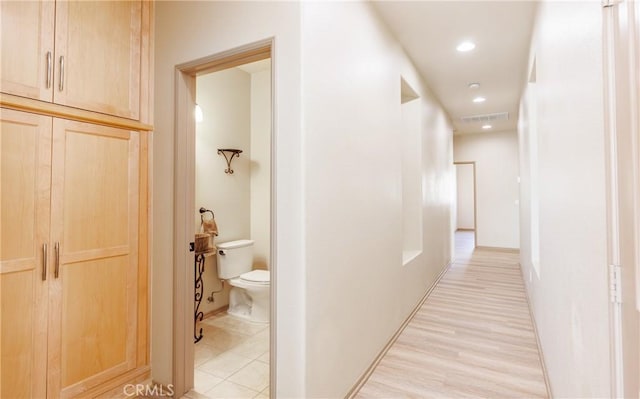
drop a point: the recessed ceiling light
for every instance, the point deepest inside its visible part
(485, 127)
(474, 85)
(479, 100)
(465, 46)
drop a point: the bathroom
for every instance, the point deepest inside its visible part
(233, 187)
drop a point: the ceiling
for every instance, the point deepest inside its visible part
(501, 30)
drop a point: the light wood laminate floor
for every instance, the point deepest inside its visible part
(472, 338)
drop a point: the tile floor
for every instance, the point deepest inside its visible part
(232, 359)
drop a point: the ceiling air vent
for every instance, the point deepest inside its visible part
(499, 116)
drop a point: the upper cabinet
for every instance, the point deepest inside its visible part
(26, 41)
(91, 61)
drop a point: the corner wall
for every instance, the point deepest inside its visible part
(358, 291)
(260, 168)
(570, 297)
(189, 30)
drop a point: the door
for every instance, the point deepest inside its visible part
(622, 45)
(25, 172)
(94, 228)
(26, 48)
(99, 70)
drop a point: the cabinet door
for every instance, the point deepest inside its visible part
(98, 47)
(25, 170)
(92, 332)
(26, 48)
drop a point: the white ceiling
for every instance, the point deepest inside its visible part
(430, 31)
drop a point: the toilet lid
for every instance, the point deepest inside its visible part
(256, 276)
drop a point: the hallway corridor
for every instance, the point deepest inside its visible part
(473, 337)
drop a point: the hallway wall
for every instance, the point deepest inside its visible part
(497, 196)
(569, 297)
(358, 291)
(342, 290)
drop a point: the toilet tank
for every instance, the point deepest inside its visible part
(234, 258)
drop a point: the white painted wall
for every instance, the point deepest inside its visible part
(260, 201)
(357, 291)
(411, 138)
(569, 298)
(464, 191)
(225, 100)
(185, 31)
(341, 288)
(496, 157)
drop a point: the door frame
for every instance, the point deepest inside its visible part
(621, 59)
(185, 208)
(475, 201)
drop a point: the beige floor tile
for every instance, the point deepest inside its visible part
(264, 358)
(224, 365)
(204, 352)
(253, 347)
(203, 381)
(228, 389)
(262, 395)
(221, 339)
(195, 395)
(255, 376)
(235, 324)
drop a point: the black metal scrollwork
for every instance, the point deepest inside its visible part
(198, 315)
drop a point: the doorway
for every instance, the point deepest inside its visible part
(222, 163)
(466, 220)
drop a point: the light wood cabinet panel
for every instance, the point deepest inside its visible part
(98, 56)
(26, 48)
(95, 191)
(100, 48)
(25, 170)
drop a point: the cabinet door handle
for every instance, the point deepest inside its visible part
(61, 85)
(44, 261)
(56, 271)
(49, 71)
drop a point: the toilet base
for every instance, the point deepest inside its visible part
(241, 311)
(243, 306)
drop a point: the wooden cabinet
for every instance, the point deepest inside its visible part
(26, 45)
(25, 187)
(99, 49)
(70, 199)
(74, 142)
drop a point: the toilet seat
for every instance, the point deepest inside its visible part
(257, 277)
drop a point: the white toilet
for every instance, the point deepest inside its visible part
(249, 296)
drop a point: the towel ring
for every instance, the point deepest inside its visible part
(203, 211)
